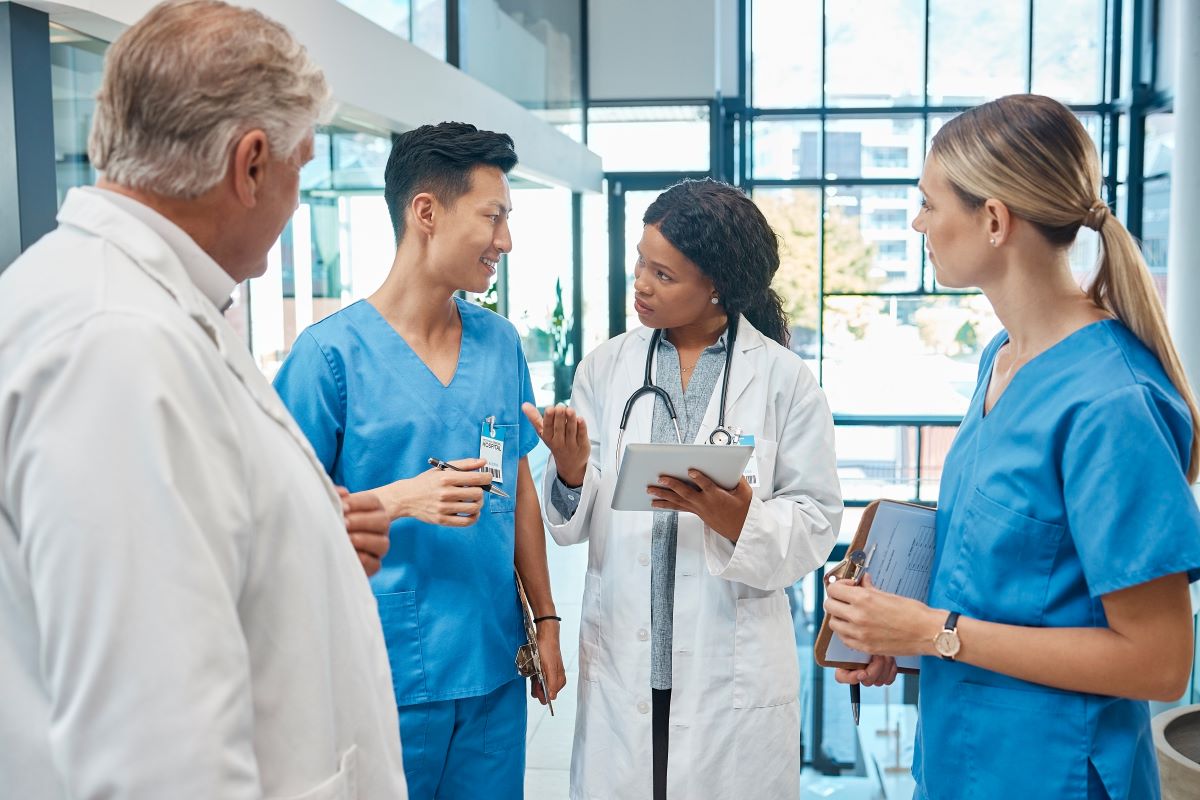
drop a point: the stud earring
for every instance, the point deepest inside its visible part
(715, 300)
(993, 241)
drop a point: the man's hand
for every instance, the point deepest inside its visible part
(439, 496)
(565, 433)
(552, 663)
(367, 526)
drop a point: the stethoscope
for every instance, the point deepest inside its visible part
(720, 434)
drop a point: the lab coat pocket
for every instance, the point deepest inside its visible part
(766, 671)
(343, 785)
(510, 435)
(402, 634)
(1002, 572)
(589, 628)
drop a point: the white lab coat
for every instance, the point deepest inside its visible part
(735, 723)
(181, 612)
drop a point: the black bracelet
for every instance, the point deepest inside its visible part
(536, 620)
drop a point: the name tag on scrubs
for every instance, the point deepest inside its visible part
(491, 449)
(750, 473)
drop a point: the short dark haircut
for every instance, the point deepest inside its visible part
(439, 159)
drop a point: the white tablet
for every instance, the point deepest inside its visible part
(642, 465)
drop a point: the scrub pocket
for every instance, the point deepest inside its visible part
(766, 670)
(495, 504)
(1018, 742)
(1002, 572)
(402, 634)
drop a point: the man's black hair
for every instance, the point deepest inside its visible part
(439, 159)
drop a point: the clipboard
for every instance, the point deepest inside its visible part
(901, 547)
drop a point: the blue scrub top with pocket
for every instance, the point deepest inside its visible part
(374, 414)
(1071, 487)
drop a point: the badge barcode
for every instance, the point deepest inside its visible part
(494, 471)
(751, 478)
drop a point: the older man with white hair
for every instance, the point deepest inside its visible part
(181, 614)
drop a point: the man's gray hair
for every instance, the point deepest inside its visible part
(186, 82)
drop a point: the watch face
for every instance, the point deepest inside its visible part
(947, 644)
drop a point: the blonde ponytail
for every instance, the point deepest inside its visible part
(1032, 154)
(1123, 287)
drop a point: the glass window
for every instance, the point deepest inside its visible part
(786, 53)
(422, 22)
(794, 214)
(595, 270)
(897, 462)
(1068, 50)
(1159, 145)
(787, 148)
(925, 350)
(893, 33)
(1156, 227)
(539, 274)
(976, 51)
(359, 160)
(76, 66)
(650, 138)
(530, 51)
(888, 147)
(868, 246)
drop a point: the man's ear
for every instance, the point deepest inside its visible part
(249, 165)
(423, 209)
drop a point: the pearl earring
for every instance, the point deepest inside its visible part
(993, 241)
(715, 301)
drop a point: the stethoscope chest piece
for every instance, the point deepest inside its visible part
(720, 436)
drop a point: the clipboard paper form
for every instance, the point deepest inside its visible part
(903, 536)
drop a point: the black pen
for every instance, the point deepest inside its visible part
(860, 561)
(437, 463)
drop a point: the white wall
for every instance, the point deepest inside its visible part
(380, 80)
(644, 49)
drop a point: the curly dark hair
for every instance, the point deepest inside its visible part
(723, 233)
(439, 159)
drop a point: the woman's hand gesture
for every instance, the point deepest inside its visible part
(566, 434)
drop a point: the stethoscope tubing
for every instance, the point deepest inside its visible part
(720, 434)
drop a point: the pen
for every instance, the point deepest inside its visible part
(860, 562)
(437, 463)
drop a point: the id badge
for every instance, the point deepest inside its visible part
(491, 449)
(750, 473)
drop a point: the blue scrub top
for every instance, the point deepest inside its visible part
(1071, 487)
(375, 413)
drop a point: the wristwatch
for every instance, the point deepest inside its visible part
(946, 643)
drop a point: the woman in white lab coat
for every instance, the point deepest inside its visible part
(688, 670)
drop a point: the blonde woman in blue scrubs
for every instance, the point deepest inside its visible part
(1067, 533)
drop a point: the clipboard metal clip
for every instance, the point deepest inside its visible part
(852, 567)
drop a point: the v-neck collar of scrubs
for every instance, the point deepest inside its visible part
(1032, 365)
(404, 351)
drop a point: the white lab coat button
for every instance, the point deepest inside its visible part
(643, 707)
(643, 559)
(643, 635)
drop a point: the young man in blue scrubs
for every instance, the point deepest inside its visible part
(414, 373)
